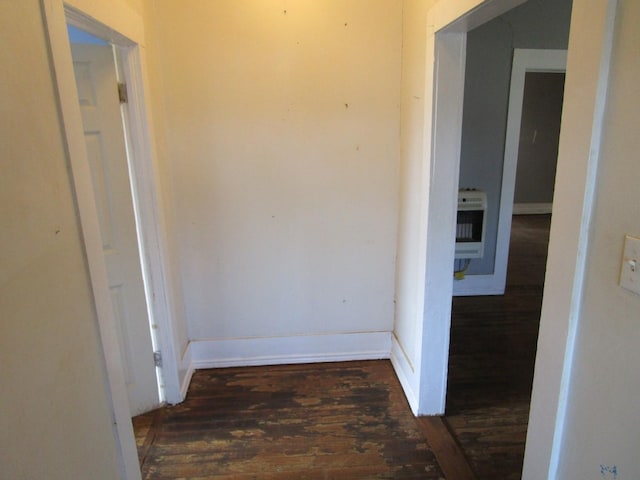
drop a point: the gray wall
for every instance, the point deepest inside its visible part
(539, 133)
(535, 24)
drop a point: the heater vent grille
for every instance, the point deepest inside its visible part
(470, 225)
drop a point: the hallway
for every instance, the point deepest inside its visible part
(492, 355)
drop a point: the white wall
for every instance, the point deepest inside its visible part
(56, 420)
(603, 421)
(281, 124)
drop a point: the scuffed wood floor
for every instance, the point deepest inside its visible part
(492, 355)
(324, 421)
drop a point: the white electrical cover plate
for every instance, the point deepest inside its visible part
(630, 271)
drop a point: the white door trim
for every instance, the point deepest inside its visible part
(146, 198)
(524, 60)
(150, 222)
(450, 54)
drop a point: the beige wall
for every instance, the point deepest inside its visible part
(603, 421)
(281, 124)
(55, 420)
(583, 411)
(137, 5)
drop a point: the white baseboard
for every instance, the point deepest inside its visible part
(235, 352)
(532, 208)
(477, 285)
(186, 366)
(404, 370)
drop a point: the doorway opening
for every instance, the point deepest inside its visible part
(143, 173)
(101, 89)
(496, 316)
(539, 141)
(492, 353)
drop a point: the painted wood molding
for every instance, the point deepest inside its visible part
(187, 370)
(406, 374)
(472, 285)
(532, 208)
(236, 352)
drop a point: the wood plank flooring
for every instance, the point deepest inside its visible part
(447, 450)
(492, 355)
(325, 421)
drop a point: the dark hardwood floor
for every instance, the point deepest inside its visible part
(351, 420)
(323, 421)
(492, 355)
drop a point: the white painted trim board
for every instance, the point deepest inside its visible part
(532, 208)
(449, 58)
(186, 366)
(405, 372)
(236, 352)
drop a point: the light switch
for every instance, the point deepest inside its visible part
(630, 271)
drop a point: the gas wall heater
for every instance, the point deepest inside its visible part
(470, 226)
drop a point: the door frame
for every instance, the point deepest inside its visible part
(448, 24)
(524, 60)
(118, 17)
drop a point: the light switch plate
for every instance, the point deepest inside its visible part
(630, 271)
